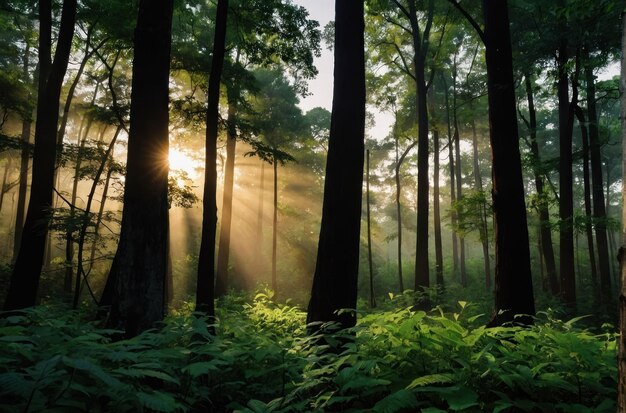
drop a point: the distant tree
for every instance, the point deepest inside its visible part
(27, 270)
(336, 271)
(139, 268)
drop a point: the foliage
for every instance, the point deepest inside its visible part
(262, 361)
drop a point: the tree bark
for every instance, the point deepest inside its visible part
(437, 216)
(451, 169)
(223, 251)
(420, 49)
(457, 172)
(547, 249)
(566, 205)
(27, 270)
(587, 195)
(599, 209)
(336, 270)
(138, 272)
(621, 356)
(205, 291)
(513, 279)
(398, 206)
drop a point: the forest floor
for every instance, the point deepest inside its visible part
(261, 360)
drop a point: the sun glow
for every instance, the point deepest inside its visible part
(180, 160)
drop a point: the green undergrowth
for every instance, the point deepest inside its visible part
(394, 360)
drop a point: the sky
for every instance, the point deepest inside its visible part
(321, 88)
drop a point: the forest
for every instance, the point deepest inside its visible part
(304, 206)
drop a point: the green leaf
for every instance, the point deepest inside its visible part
(430, 379)
(402, 399)
(157, 401)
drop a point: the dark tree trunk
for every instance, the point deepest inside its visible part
(437, 216)
(547, 249)
(23, 186)
(336, 270)
(587, 195)
(451, 170)
(223, 251)
(621, 355)
(484, 229)
(513, 279)
(369, 230)
(566, 205)
(27, 270)
(599, 209)
(420, 49)
(139, 268)
(259, 223)
(205, 291)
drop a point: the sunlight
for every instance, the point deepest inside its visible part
(181, 161)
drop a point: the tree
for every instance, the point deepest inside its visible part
(27, 270)
(621, 375)
(205, 292)
(336, 271)
(138, 271)
(513, 279)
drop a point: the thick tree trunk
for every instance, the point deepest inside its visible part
(566, 200)
(513, 279)
(599, 209)
(205, 291)
(27, 269)
(139, 268)
(336, 271)
(23, 186)
(223, 251)
(420, 49)
(547, 249)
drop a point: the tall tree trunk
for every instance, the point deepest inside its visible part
(621, 356)
(335, 281)
(275, 226)
(513, 279)
(369, 229)
(437, 215)
(398, 206)
(547, 249)
(451, 169)
(27, 269)
(566, 200)
(599, 209)
(587, 195)
(139, 268)
(420, 49)
(484, 229)
(205, 291)
(457, 172)
(23, 186)
(223, 251)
